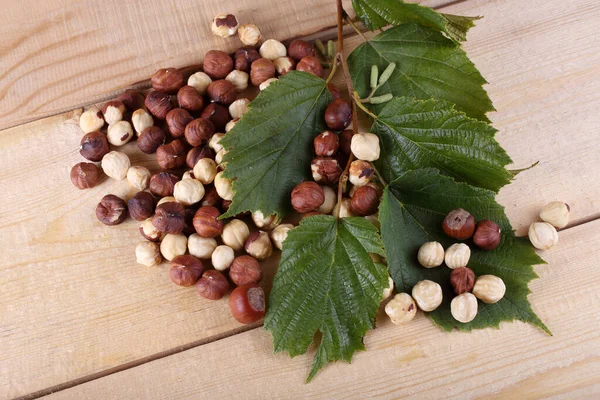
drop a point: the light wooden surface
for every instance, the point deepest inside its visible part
(74, 306)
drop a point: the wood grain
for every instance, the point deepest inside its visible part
(416, 360)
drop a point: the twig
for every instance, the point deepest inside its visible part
(359, 103)
(353, 25)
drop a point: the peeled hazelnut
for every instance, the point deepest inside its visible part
(272, 49)
(113, 111)
(489, 289)
(556, 213)
(330, 200)
(457, 256)
(159, 104)
(360, 172)
(189, 99)
(199, 81)
(387, 292)
(279, 234)
(401, 309)
(343, 209)
(258, 245)
(326, 144)
(218, 114)
(132, 99)
(219, 158)
(166, 199)
(307, 196)
(239, 79)
(245, 270)
(335, 93)
(206, 222)
(345, 141)
(148, 254)
(188, 175)
(211, 197)
(201, 247)
(111, 210)
(487, 235)
(171, 155)
(247, 303)
(162, 184)
(115, 165)
(151, 139)
(177, 119)
(94, 146)
(364, 201)
(213, 285)
(428, 295)
(299, 49)
(261, 70)
(543, 235)
(231, 124)
(222, 91)
(431, 254)
(222, 257)
(170, 218)
(338, 114)
(84, 175)
(119, 133)
(141, 206)
(205, 170)
(223, 186)
(149, 231)
(310, 64)
(266, 83)
(224, 25)
(167, 80)
(464, 307)
(238, 108)
(188, 191)
(235, 233)
(141, 119)
(267, 223)
(185, 270)
(217, 64)
(91, 120)
(214, 144)
(249, 34)
(283, 65)
(365, 146)
(198, 153)
(325, 170)
(199, 131)
(173, 246)
(244, 57)
(459, 224)
(462, 280)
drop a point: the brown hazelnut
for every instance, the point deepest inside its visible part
(113, 111)
(132, 99)
(310, 64)
(141, 206)
(111, 210)
(225, 205)
(211, 197)
(283, 65)
(199, 131)
(487, 235)
(217, 64)
(310, 214)
(94, 146)
(258, 245)
(162, 184)
(171, 155)
(345, 141)
(299, 49)
(338, 114)
(218, 114)
(326, 144)
(244, 57)
(307, 196)
(151, 139)
(169, 217)
(261, 70)
(213, 285)
(185, 270)
(247, 303)
(459, 224)
(462, 280)
(159, 104)
(177, 119)
(245, 270)
(334, 90)
(325, 170)
(364, 201)
(190, 99)
(206, 222)
(198, 153)
(222, 91)
(167, 80)
(189, 220)
(84, 175)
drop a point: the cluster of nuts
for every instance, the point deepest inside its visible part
(543, 235)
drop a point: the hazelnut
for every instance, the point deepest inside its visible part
(266, 83)
(261, 70)
(360, 172)
(162, 184)
(111, 210)
(272, 49)
(149, 231)
(189, 220)
(225, 205)
(205, 170)
(373, 185)
(198, 153)
(132, 99)
(343, 209)
(258, 245)
(338, 114)
(84, 175)
(239, 80)
(299, 49)
(219, 158)
(217, 64)
(326, 144)
(310, 64)
(224, 25)
(211, 197)
(307, 196)
(188, 175)
(188, 191)
(169, 217)
(116, 164)
(238, 108)
(159, 104)
(173, 246)
(249, 34)
(401, 309)
(214, 144)
(206, 222)
(462, 280)
(222, 91)
(345, 141)
(171, 155)
(167, 80)
(556, 213)
(185, 270)
(310, 214)
(464, 308)
(542, 235)
(199, 131)
(223, 186)
(166, 199)
(119, 133)
(365, 201)
(213, 285)
(267, 223)
(325, 170)
(199, 81)
(457, 256)
(283, 65)
(201, 247)
(91, 120)
(427, 294)
(335, 93)
(247, 303)
(177, 119)
(94, 146)
(218, 114)
(141, 206)
(148, 254)
(231, 124)
(387, 292)
(365, 146)
(151, 139)
(245, 270)
(141, 119)
(431, 254)
(487, 235)
(489, 289)
(459, 224)
(330, 200)
(235, 233)
(222, 257)
(189, 99)
(244, 57)
(279, 234)
(113, 111)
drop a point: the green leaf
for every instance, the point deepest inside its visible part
(269, 149)
(420, 134)
(411, 213)
(376, 14)
(326, 282)
(429, 65)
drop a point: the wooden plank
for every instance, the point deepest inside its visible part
(416, 360)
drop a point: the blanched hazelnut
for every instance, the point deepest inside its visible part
(177, 119)
(224, 186)
(387, 292)
(266, 83)
(244, 57)
(171, 155)
(365, 146)
(141, 119)
(173, 246)
(245, 270)
(307, 196)
(217, 64)
(310, 64)
(201, 247)
(338, 114)
(222, 91)
(364, 201)
(159, 104)
(222, 257)
(325, 170)
(188, 191)
(111, 210)
(219, 158)
(261, 70)
(166, 199)
(91, 120)
(185, 270)
(167, 80)
(431, 254)
(360, 172)
(238, 108)
(188, 175)
(189, 98)
(330, 200)
(299, 49)
(199, 81)
(113, 111)
(283, 65)
(401, 309)
(149, 231)
(224, 25)
(151, 139)
(218, 114)
(119, 133)
(198, 153)
(489, 289)
(428, 295)
(139, 177)
(464, 307)
(169, 217)
(84, 175)
(267, 223)
(457, 255)
(148, 254)
(94, 146)
(199, 131)
(258, 245)
(116, 164)
(556, 213)
(543, 235)
(206, 222)
(239, 80)
(213, 143)
(132, 99)
(272, 49)
(162, 184)
(141, 206)
(326, 144)
(205, 170)
(279, 234)
(345, 209)
(235, 233)
(249, 34)
(213, 285)
(231, 124)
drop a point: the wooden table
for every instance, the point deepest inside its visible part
(79, 319)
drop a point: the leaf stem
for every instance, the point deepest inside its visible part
(360, 104)
(332, 72)
(353, 25)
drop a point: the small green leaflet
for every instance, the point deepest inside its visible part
(421, 134)
(326, 282)
(428, 65)
(411, 212)
(269, 149)
(376, 14)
